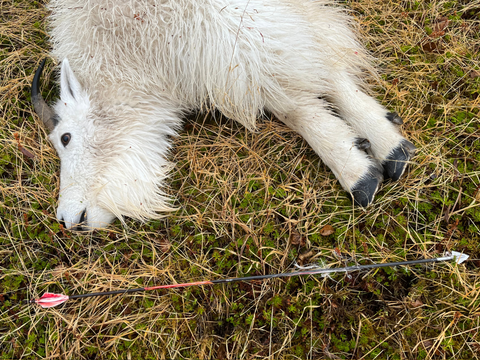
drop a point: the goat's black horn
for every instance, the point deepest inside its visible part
(44, 112)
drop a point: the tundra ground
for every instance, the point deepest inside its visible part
(253, 203)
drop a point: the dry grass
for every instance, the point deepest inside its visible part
(251, 203)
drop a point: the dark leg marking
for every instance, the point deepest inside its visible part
(394, 118)
(363, 144)
(364, 191)
(329, 105)
(395, 164)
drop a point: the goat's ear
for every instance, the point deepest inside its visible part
(70, 88)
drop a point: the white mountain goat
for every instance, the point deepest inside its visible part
(135, 66)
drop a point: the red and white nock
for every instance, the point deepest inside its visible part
(49, 300)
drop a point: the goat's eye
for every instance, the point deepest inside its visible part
(66, 138)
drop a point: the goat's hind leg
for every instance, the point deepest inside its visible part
(373, 122)
(338, 146)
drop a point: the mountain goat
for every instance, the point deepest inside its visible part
(131, 68)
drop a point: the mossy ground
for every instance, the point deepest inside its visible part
(252, 203)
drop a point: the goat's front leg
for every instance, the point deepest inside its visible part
(338, 146)
(373, 122)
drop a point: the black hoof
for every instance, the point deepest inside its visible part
(394, 118)
(363, 144)
(394, 166)
(364, 190)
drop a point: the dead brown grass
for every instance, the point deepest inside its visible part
(252, 203)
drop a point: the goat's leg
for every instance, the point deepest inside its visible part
(337, 144)
(373, 122)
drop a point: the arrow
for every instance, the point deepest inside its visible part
(49, 300)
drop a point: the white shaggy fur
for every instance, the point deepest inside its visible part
(135, 66)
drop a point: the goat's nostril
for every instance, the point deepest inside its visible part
(83, 217)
